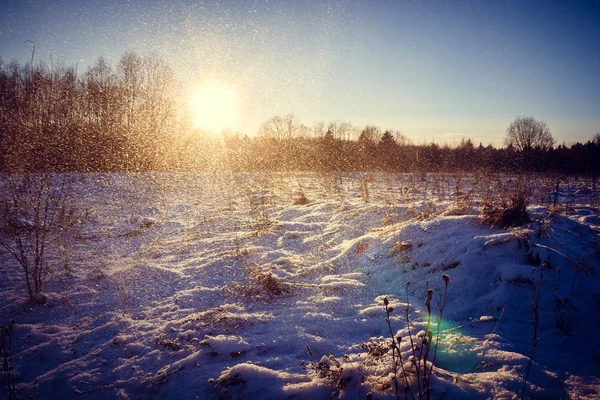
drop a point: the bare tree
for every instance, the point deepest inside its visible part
(318, 129)
(370, 133)
(280, 128)
(130, 67)
(526, 133)
(341, 130)
(147, 94)
(401, 139)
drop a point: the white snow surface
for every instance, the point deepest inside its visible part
(212, 285)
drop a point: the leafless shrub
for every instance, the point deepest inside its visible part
(375, 350)
(507, 212)
(270, 284)
(327, 368)
(261, 285)
(37, 217)
(258, 203)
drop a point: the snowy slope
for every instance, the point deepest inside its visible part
(213, 285)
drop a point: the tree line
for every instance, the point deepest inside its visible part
(106, 119)
(130, 117)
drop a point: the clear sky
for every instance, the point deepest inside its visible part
(435, 70)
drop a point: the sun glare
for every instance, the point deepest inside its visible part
(214, 106)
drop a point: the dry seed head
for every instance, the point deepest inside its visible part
(390, 309)
(386, 301)
(446, 278)
(407, 283)
(429, 297)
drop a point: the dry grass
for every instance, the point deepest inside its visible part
(506, 213)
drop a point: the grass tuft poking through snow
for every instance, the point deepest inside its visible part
(508, 209)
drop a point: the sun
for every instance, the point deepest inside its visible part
(214, 106)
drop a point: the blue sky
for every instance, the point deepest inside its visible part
(435, 70)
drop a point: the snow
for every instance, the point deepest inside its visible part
(212, 285)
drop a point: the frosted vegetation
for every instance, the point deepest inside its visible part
(294, 285)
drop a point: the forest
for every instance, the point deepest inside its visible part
(131, 117)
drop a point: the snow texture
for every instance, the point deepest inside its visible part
(212, 285)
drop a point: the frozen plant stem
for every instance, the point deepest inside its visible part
(537, 290)
(419, 355)
(578, 266)
(412, 345)
(536, 315)
(441, 306)
(388, 311)
(426, 341)
(6, 334)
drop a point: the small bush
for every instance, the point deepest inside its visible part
(270, 284)
(37, 217)
(329, 369)
(261, 285)
(507, 213)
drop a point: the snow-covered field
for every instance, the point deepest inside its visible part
(207, 286)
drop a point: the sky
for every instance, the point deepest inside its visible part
(434, 70)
